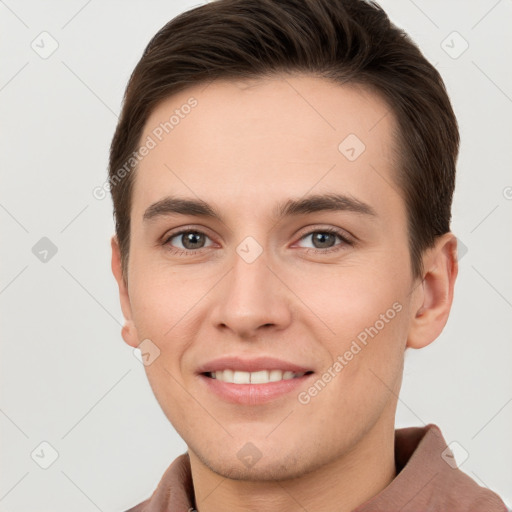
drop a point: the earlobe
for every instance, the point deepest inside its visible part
(129, 334)
(129, 331)
(435, 292)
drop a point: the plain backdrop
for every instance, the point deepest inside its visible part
(67, 378)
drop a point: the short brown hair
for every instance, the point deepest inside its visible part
(345, 41)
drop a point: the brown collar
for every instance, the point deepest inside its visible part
(427, 479)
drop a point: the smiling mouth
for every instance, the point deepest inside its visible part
(259, 377)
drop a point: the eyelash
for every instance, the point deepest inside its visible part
(333, 231)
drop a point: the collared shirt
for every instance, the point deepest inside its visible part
(427, 480)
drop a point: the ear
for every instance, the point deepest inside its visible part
(129, 331)
(435, 292)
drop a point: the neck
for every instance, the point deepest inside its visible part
(341, 485)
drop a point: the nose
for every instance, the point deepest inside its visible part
(251, 298)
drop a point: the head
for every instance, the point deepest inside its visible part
(269, 123)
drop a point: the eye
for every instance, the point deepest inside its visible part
(324, 240)
(190, 241)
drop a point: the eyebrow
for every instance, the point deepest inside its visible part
(292, 207)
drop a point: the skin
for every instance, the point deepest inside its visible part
(244, 148)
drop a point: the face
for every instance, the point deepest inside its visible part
(267, 271)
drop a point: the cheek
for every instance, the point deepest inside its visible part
(360, 318)
(349, 297)
(160, 297)
(178, 404)
(364, 376)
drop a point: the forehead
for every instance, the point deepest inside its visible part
(264, 137)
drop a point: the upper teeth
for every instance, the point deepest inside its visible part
(259, 377)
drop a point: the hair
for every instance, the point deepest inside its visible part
(344, 41)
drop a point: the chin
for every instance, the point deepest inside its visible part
(264, 469)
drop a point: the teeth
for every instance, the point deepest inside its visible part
(259, 377)
(275, 375)
(241, 377)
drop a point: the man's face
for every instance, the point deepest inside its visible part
(256, 284)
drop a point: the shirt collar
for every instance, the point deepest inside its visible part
(427, 476)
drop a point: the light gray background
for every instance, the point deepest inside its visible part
(67, 377)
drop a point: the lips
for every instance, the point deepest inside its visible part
(260, 377)
(244, 381)
(237, 363)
